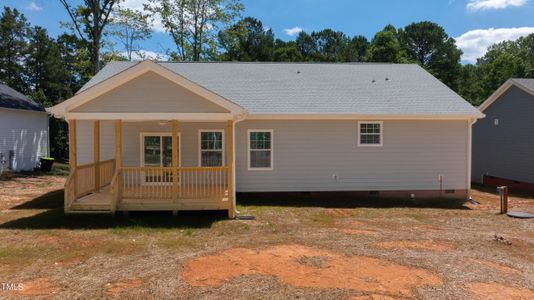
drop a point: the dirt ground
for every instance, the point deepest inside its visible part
(313, 249)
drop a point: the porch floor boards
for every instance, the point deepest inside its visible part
(101, 201)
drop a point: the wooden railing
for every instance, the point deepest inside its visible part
(149, 183)
(85, 179)
(82, 181)
(107, 168)
(158, 183)
(70, 191)
(115, 189)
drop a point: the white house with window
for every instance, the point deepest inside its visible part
(193, 136)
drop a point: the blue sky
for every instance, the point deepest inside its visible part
(474, 23)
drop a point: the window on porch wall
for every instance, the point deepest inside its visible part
(211, 148)
(157, 152)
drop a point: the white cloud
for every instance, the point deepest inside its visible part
(138, 5)
(33, 6)
(293, 31)
(475, 43)
(146, 54)
(475, 5)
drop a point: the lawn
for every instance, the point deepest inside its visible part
(336, 249)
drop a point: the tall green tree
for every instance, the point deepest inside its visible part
(287, 52)
(386, 47)
(77, 58)
(48, 79)
(193, 24)
(130, 27)
(89, 21)
(45, 68)
(326, 45)
(330, 45)
(429, 45)
(14, 30)
(357, 49)
(470, 87)
(247, 40)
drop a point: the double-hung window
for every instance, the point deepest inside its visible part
(260, 149)
(370, 134)
(211, 148)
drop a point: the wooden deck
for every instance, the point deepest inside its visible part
(102, 201)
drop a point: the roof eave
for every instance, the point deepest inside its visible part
(357, 116)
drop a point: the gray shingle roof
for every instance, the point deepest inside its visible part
(525, 82)
(367, 89)
(9, 98)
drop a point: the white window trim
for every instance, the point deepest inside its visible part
(200, 131)
(272, 149)
(381, 123)
(142, 151)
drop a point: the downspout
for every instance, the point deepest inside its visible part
(238, 119)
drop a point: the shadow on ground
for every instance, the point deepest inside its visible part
(53, 217)
(347, 202)
(50, 200)
(56, 219)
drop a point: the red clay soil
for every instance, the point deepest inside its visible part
(357, 231)
(116, 288)
(39, 287)
(431, 245)
(493, 265)
(302, 266)
(495, 291)
(372, 297)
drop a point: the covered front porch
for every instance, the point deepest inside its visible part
(143, 165)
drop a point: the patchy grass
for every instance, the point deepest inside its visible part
(143, 255)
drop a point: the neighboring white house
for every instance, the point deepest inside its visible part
(176, 136)
(23, 131)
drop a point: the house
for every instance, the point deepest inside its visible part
(23, 131)
(188, 136)
(503, 142)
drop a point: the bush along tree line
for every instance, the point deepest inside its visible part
(51, 69)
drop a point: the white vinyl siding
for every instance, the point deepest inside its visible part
(323, 156)
(26, 134)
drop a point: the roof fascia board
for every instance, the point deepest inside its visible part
(344, 116)
(151, 116)
(23, 110)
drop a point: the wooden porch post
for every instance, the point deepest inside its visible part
(72, 154)
(230, 165)
(96, 153)
(175, 161)
(118, 152)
